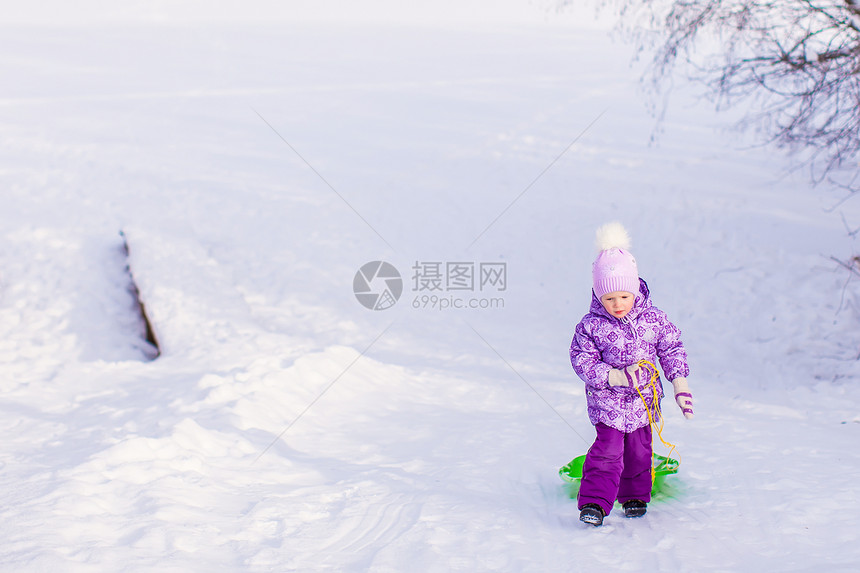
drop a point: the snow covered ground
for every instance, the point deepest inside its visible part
(255, 168)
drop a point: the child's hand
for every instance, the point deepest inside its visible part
(683, 397)
(634, 376)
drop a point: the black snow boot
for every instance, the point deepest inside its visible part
(592, 514)
(634, 508)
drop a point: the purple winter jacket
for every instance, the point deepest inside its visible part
(603, 342)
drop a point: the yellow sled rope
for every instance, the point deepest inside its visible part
(655, 417)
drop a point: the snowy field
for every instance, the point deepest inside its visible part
(255, 167)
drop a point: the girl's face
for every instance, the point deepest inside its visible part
(618, 303)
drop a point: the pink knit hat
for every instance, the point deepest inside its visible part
(615, 267)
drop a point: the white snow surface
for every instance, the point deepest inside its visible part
(284, 427)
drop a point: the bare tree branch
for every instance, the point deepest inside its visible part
(796, 61)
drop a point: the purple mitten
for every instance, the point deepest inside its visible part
(633, 376)
(683, 397)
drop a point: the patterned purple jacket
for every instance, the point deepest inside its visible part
(603, 342)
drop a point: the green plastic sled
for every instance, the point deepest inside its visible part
(572, 472)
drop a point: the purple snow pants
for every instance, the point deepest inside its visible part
(617, 466)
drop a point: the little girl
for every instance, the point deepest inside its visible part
(622, 328)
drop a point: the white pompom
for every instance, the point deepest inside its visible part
(612, 235)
